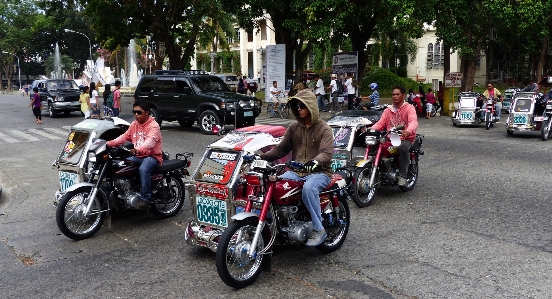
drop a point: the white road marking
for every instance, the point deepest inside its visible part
(23, 135)
(44, 134)
(58, 131)
(7, 138)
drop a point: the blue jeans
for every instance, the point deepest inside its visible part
(147, 166)
(115, 111)
(314, 183)
(320, 99)
(498, 108)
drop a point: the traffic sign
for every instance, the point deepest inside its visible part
(453, 79)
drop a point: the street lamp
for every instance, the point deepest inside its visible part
(18, 67)
(89, 44)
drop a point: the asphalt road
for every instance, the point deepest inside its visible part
(475, 226)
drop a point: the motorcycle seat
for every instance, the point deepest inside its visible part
(169, 165)
(417, 143)
(338, 181)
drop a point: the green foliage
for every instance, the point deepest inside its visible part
(66, 64)
(386, 80)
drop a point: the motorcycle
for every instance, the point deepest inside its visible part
(488, 113)
(274, 212)
(112, 182)
(380, 166)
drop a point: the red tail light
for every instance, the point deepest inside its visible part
(253, 179)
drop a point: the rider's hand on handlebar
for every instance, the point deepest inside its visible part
(249, 158)
(405, 133)
(311, 165)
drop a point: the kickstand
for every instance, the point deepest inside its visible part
(268, 264)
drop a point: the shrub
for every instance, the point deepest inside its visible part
(386, 80)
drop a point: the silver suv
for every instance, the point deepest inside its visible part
(230, 79)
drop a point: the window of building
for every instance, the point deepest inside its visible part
(250, 36)
(437, 56)
(262, 26)
(429, 57)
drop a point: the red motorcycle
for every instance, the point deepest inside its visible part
(274, 212)
(380, 166)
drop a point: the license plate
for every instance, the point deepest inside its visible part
(75, 103)
(539, 118)
(520, 118)
(211, 211)
(338, 163)
(67, 179)
(466, 115)
(248, 113)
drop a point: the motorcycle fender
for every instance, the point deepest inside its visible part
(76, 186)
(363, 162)
(244, 215)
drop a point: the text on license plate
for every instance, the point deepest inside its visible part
(67, 179)
(337, 164)
(466, 115)
(211, 211)
(248, 113)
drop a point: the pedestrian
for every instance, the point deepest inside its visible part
(374, 97)
(94, 109)
(334, 93)
(430, 102)
(410, 96)
(85, 102)
(320, 93)
(27, 90)
(241, 86)
(351, 91)
(37, 106)
(117, 99)
(108, 101)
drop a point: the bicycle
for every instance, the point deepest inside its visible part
(279, 105)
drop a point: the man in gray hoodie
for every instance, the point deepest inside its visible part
(310, 141)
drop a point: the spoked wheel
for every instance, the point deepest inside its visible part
(363, 195)
(234, 265)
(71, 219)
(337, 229)
(284, 111)
(270, 110)
(488, 122)
(433, 112)
(412, 176)
(545, 129)
(169, 197)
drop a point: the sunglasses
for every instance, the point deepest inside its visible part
(137, 112)
(301, 106)
(489, 86)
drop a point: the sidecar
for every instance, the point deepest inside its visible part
(468, 111)
(507, 101)
(217, 194)
(71, 162)
(348, 128)
(526, 112)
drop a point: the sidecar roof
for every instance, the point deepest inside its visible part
(101, 125)
(467, 102)
(250, 139)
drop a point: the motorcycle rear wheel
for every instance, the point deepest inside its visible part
(170, 198)
(70, 218)
(412, 176)
(545, 129)
(363, 195)
(234, 266)
(338, 232)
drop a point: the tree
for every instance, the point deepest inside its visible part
(65, 61)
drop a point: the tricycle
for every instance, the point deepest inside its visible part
(507, 100)
(526, 112)
(219, 190)
(468, 112)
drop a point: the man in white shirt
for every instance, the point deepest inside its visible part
(320, 93)
(274, 92)
(351, 91)
(333, 92)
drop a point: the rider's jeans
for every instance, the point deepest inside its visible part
(147, 166)
(404, 157)
(498, 108)
(314, 183)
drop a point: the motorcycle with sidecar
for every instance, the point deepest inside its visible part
(468, 112)
(527, 113)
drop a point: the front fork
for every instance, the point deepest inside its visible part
(262, 218)
(92, 195)
(375, 165)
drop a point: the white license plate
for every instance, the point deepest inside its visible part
(337, 164)
(248, 113)
(67, 179)
(211, 211)
(466, 116)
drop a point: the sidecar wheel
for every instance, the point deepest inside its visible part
(412, 176)
(234, 266)
(545, 129)
(70, 217)
(338, 232)
(363, 195)
(510, 132)
(169, 198)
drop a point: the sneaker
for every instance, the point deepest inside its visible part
(402, 181)
(141, 203)
(316, 238)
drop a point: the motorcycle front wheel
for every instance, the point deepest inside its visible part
(169, 197)
(70, 217)
(488, 117)
(338, 229)
(412, 176)
(234, 266)
(545, 129)
(363, 195)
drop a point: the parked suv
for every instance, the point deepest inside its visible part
(58, 95)
(230, 79)
(190, 96)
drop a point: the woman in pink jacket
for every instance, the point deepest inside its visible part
(400, 114)
(145, 134)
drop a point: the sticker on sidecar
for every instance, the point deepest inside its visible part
(211, 211)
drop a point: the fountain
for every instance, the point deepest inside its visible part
(56, 73)
(132, 73)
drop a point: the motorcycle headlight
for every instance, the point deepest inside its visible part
(549, 106)
(370, 140)
(92, 157)
(242, 103)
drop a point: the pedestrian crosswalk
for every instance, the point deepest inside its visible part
(274, 121)
(33, 134)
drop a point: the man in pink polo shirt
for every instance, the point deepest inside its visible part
(400, 114)
(145, 134)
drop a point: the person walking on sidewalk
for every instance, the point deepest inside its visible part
(334, 93)
(320, 93)
(351, 91)
(37, 106)
(430, 102)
